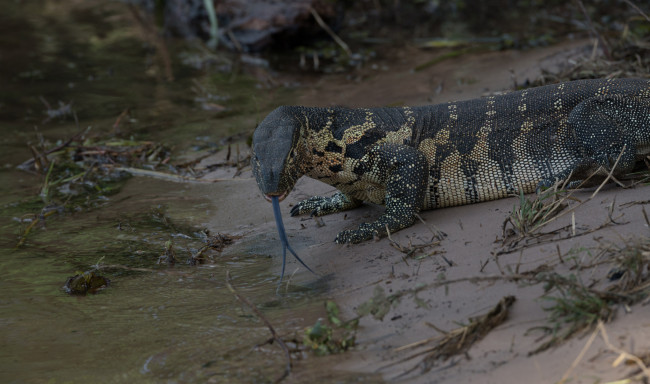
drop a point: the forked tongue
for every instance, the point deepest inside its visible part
(283, 237)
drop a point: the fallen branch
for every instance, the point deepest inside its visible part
(166, 176)
(329, 31)
(27, 164)
(274, 334)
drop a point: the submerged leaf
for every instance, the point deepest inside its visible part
(378, 306)
(86, 282)
(333, 313)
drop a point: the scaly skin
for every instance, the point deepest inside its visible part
(418, 158)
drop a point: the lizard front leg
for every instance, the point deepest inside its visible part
(405, 172)
(320, 205)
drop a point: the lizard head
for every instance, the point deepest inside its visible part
(275, 160)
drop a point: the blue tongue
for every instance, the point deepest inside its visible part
(283, 237)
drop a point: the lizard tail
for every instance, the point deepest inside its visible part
(283, 237)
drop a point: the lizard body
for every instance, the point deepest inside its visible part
(418, 158)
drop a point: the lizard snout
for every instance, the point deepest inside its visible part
(281, 196)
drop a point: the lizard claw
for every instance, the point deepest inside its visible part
(313, 205)
(295, 210)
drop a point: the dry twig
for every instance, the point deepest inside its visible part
(258, 313)
(329, 31)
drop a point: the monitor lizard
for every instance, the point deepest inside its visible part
(419, 158)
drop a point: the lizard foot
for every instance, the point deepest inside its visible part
(320, 206)
(313, 205)
(366, 231)
(379, 228)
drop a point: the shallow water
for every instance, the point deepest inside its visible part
(176, 323)
(155, 322)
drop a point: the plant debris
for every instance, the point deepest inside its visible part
(335, 336)
(168, 255)
(216, 243)
(379, 305)
(85, 282)
(625, 53)
(577, 308)
(219, 241)
(62, 112)
(457, 341)
(411, 249)
(79, 174)
(526, 220)
(533, 214)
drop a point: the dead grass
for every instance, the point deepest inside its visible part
(533, 214)
(523, 227)
(458, 341)
(624, 53)
(575, 308)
